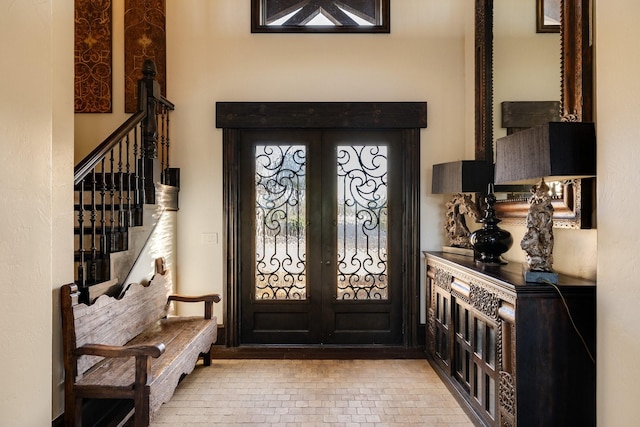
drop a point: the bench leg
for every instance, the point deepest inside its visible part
(72, 411)
(206, 357)
(78, 412)
(141, 403)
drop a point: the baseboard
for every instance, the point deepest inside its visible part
(317, 352)
(420, 333)
(222, 339)
(58, 422)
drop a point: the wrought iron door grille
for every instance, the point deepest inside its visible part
(280, 223)
(362, 223)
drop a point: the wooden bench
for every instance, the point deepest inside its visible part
(129, 348)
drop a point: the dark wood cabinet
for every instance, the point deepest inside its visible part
(515, 353)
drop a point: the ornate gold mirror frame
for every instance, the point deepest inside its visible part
(574, 210)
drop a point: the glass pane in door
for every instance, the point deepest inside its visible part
(280, 269)
(362, 223)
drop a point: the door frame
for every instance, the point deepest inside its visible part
(408, 117)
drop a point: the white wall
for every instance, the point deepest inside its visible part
(62, 184)
(618, 132)
(36, 117)
(158, 240)
(36, 141)
(214, 57)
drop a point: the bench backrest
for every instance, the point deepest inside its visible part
(109, 320)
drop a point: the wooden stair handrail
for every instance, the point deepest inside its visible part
(167, 104)
(87, 164)
(117, 178)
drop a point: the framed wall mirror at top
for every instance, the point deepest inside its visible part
(320, 16)
(574, 208)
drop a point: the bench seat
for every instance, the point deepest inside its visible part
(131, 347)
(185, 339)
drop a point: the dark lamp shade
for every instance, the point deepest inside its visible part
(554, 151)
(463, 176)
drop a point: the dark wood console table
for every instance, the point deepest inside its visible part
(508, 349)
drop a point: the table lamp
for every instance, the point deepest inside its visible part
(457, 178)
(553, 151)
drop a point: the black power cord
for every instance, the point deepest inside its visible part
(586, 347)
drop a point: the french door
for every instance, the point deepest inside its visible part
(320, 237)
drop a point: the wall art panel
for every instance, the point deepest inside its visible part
(93, 38)
(144, 38)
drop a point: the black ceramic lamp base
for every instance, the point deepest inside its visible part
(492, 260)
(491, 241)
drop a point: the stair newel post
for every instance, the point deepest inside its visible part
(150, 168)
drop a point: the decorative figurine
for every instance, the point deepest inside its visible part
(456, 225)
(538, 240)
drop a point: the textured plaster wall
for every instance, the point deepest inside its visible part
(62, 183)
(618, 132)
(160, 243)
(212, 56)
(36, 131)
(25, 213)
(33, 119)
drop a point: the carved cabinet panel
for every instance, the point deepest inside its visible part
(508, 349)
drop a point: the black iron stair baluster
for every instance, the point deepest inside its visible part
(108, 181)
(112, 207)
(163, 154)
(94, 250)
(121, 228)
(82, 275)
(168, 142)
(129, 214)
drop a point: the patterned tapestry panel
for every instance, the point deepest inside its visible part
(144, 38)
(93, 56)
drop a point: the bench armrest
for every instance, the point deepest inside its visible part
(142, 353)
(208, 300)
(102, 350)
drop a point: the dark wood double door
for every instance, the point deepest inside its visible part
(321, 237)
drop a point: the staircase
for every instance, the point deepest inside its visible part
(120, 184)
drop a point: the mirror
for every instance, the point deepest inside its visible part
(574, 210)
(526, 64)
